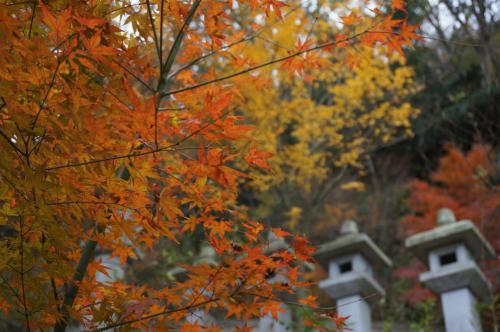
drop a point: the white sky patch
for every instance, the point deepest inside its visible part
(449, 24)
(259, 19)
(121, 19)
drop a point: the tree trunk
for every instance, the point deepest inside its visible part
(72, 290)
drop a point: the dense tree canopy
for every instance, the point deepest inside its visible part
(115, 135)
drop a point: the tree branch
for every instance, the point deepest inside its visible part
(140, 154)
(152, 22)
(172, 54)
(92, 202)
(162, 313)
(140, 80)
(23, 272)
(32, 18)
(12, 144)
(17, 3)
(123, 8)
(298, 304)
(161, 36)
(266, 64)
(42, 104)
(242, 40)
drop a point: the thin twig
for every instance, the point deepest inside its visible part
(160, 78)
(32, 18)
(124, 7)
(298, 304)
(17, 3)
(165, 67)
(242, 40)
(157, 107)
(161, 36)
(42, 104)
(162, 313)
(161, 109)
(140, 80)
(37, 145)
(152, 22)
(12, 144)
(429, 37)
(4, 102)
(54, 293)
(211, 300)
(22, 272)
(140, 154)
(91, 202)
(281, 59)
(177, 43)
(63, 41)
(262, 65)
(13, 290)
(275, 43)
(13, 186)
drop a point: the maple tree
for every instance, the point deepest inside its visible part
(464, 182)
(113, 136)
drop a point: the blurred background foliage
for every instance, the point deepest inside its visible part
(386, 142)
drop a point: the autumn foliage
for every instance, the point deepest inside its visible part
(115, 133)
(465, 182)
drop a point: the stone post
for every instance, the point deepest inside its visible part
(349, 261)
(450, 251)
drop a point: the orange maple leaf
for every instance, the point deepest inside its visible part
(309, 301)
(398, 5)
(258, 158)
(350, 19)
(280, 233)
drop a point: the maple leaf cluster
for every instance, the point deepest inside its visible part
(115, 135)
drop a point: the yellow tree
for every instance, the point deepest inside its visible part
(320, 123)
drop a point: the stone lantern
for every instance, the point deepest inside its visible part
(350, 260)
(450, 251)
